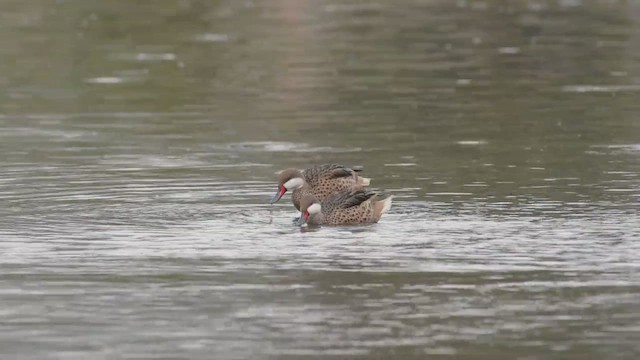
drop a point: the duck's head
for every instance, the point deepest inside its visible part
(309, 206)
(288, 180)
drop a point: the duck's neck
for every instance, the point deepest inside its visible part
(298, 193)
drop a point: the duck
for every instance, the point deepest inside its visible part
(344, 208)
(320, 181)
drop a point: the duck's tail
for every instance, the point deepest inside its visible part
(382, 206)
(363, 181)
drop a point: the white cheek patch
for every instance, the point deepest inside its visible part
(314, 209)
(294, 183)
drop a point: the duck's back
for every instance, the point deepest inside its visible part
(349, 208)
(324, 180)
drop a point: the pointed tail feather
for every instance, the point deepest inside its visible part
(363, 181)
(382, 206)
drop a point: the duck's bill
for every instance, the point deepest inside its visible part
(302, 220)
(278, 195)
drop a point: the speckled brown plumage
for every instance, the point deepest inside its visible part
(346, 208)
(324, 180)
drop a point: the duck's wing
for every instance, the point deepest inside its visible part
(342, 172)
(331, 171)
(355, 198)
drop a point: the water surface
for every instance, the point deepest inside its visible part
(140, 144)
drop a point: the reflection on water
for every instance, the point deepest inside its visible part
(140, 143)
